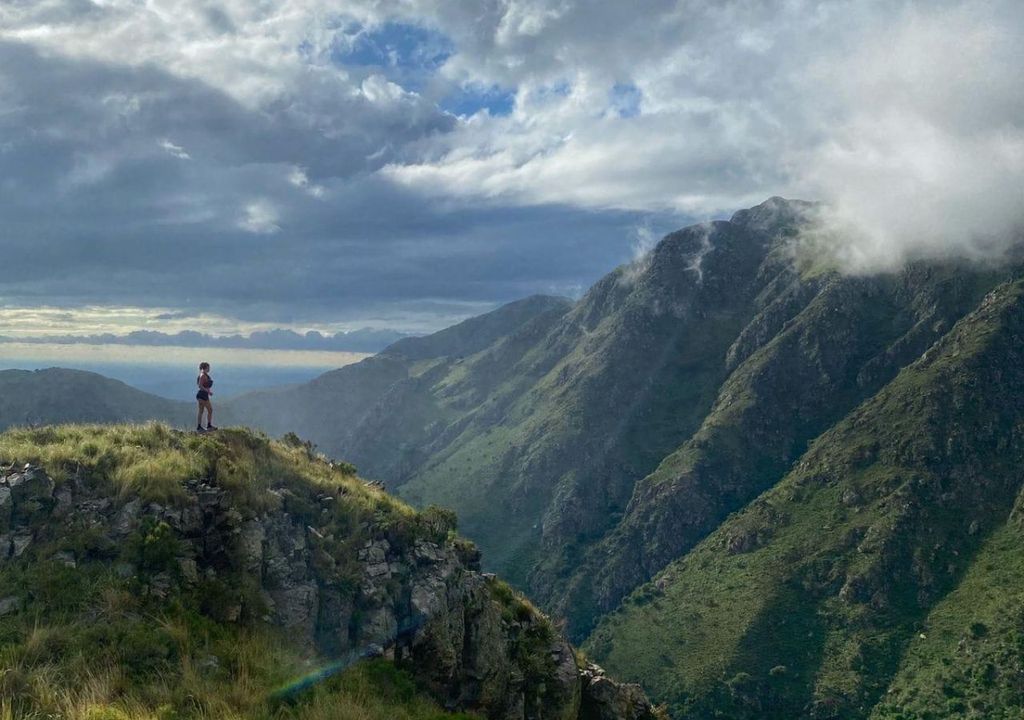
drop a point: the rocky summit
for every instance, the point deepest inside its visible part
(136, 561)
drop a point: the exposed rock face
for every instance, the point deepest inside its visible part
(468, 639)
(605, 699)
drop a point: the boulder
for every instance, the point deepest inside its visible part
(32, 484)
(20, 543)
(606, 699)
(9, 605)
(127, 517)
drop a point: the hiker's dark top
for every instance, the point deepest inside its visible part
(205, 382)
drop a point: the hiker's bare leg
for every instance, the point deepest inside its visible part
(207, 409)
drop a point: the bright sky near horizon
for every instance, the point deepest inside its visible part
(237, 165)
(48, 354)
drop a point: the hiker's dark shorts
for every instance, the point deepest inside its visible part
(202, 395)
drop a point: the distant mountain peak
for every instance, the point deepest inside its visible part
(774, 214)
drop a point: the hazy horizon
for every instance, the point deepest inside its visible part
(170, 371)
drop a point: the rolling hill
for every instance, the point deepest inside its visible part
(58, 395)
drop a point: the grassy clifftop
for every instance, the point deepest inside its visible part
(90, 629)
(150, 574)
(156, 463)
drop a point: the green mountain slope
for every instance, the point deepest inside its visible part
(548, 457)
(475, 334)
(969, 656)
(324, 409)
(808, 602)
(330, 409)
(538, 439)
(842, 340)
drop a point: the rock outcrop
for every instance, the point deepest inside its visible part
(471, 641)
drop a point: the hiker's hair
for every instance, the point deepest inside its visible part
(204, 366)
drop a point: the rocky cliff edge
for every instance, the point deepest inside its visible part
(260, 532)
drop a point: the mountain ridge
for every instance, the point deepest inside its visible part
(826, 359)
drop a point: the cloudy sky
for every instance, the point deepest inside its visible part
(405, 163)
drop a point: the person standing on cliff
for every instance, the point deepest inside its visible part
(205, 384)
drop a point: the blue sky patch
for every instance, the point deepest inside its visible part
(410, 55)
(393, 45)
(625, 99)
(470, 100)
(560, 89)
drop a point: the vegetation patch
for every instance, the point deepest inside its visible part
(92, 629)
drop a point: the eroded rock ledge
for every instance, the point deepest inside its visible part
(284, 560)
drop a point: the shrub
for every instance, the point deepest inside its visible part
(438, 522)
(153, 548)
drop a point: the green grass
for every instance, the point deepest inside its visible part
(88, 646)
(561, 430)
(969, 654)
(152, 459)
(176, 665)
(155, 462)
